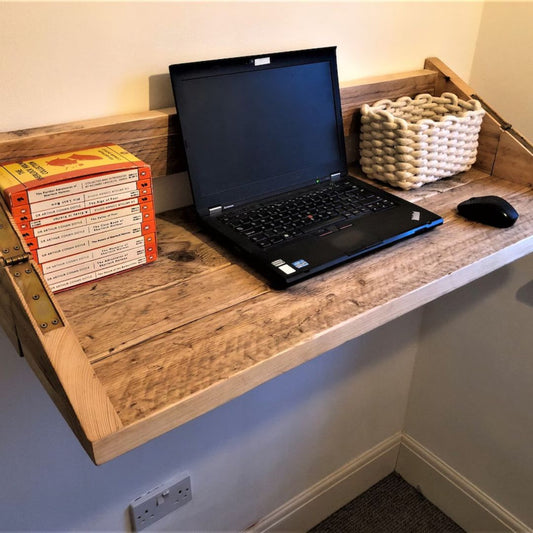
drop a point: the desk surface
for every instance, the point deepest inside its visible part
(197, 328)
(147, 350)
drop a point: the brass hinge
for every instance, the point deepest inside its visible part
(35, 295)
(11, 249)
(17, 262)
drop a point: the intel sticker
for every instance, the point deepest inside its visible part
(301, 263)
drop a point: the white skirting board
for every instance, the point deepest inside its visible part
(451, 492)
(462, 501)
(334, 491)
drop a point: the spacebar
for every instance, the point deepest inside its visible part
(323, 223)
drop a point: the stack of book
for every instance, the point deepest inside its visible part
(84, 214)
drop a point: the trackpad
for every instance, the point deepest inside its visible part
(352, 240)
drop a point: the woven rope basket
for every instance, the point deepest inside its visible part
(409, 142)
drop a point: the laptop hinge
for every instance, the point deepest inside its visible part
(215, 210)
(335, 176)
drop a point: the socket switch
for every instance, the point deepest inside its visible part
(158, 502)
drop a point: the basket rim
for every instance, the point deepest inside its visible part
(383, 110)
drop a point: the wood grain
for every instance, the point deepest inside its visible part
(184, 251)
(214, 359)
(210, 350)
(123, 324)
(514, 161)
(152, 136)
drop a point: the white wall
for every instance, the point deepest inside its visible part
(470, 401)
(66, 61)
(70, 61)
(502, 71)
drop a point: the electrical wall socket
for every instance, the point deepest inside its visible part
(158, 502)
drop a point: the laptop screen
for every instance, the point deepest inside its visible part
(254, 127)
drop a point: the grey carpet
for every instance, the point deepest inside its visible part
(392, 505)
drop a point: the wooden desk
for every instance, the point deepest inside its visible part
(148, 350)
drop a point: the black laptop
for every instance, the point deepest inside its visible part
(264, 141)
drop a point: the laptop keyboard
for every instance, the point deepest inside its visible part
(320, 211)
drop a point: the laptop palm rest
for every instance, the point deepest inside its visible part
(353, 240)
(329, 249)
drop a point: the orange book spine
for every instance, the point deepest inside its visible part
(100, 224)
(26, 223)
(76, 186)
(75, 202)
(85, 217)
(98, 268)
(146, 242)
(75, 246)
(88, 272)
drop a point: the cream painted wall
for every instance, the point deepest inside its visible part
(67, 61)
(470, 401)
(502, 71)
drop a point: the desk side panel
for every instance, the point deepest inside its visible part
(60, 364)
(514, 159)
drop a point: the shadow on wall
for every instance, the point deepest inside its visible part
(160, 97)
(160, 92)
(484, 288)
(525, 294)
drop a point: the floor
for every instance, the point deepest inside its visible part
(392, 505)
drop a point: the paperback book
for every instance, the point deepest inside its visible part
(84, 214)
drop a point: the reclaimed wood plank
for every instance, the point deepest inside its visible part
(514, 160)
(121, 325)
(107, 328)
(151, 135)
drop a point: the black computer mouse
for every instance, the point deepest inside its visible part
(491, 210)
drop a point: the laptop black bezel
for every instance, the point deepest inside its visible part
(218, 67)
